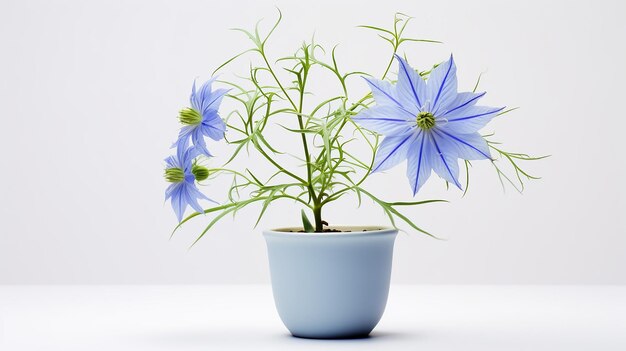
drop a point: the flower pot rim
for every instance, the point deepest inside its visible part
(355, 230)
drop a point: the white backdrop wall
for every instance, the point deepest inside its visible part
(89, 93)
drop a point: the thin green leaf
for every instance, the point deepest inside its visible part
(306, 224)
(376, 29)
(231, 60)
(507, 111)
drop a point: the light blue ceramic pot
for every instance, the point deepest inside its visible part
(330, 285)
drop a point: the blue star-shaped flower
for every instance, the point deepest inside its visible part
(428, 123)
(182, 172)
(202, 118)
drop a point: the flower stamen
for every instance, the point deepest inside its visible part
(174, 175)
(425, 120)
(189, 116)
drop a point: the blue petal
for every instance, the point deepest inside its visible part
(442, 85)
(181, 151)
(470, 119)
(418, 166)
(170, 190)
(385, 95)
(444, 160)
(199, 195)
(213, 126)
(190, 155)
(183, 195)
(199, 143)
(184, 153)
(171, 162)
(386, 120)
(461, 102)
(392, 151)
(178, 201)
(213, 100)
(193, 98)
(466, 146)
(192, 194)
(184, 134)
(411, 88)
(204, 94)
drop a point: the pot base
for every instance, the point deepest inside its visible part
(333, 337)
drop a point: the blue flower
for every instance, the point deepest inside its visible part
(428, 123)
(182, 171)
(202, 118)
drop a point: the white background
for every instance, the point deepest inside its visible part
(89, 93)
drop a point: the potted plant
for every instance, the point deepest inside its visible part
(330, 281)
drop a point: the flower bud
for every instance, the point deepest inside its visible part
(200, 172)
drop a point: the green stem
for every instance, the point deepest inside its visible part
(317, 213)
(390, 63)
(280, 85)
(305, 146)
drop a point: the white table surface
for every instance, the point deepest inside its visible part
(242, 317)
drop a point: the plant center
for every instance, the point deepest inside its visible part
(174, 175)
(425, 120)
(190, 116)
